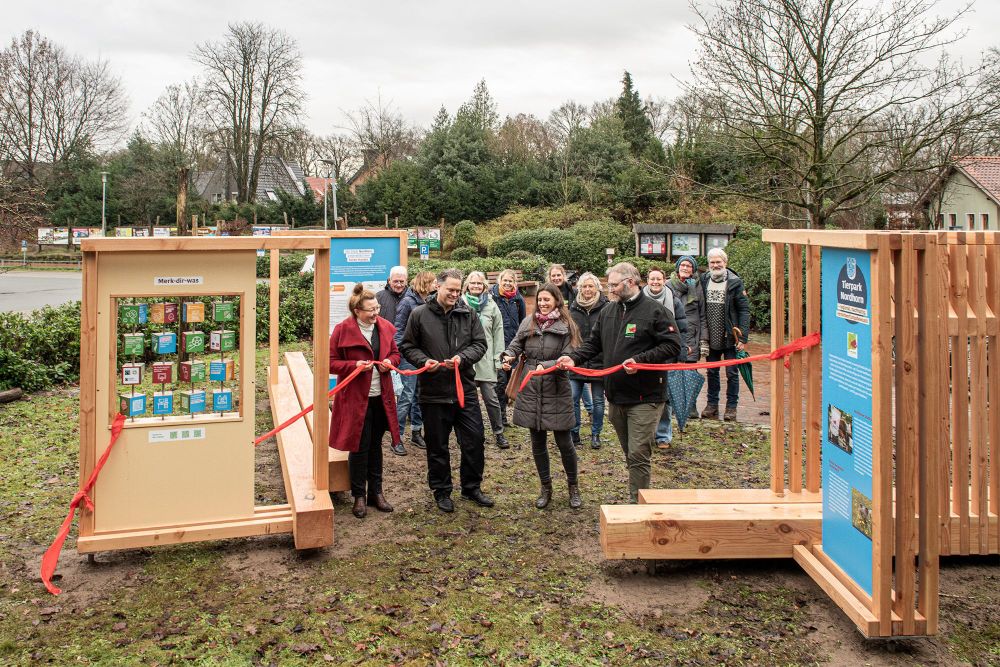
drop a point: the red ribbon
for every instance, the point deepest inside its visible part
(796, 345)
(51, 557)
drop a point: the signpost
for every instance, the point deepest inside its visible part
(24, 253)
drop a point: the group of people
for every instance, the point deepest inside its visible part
(438, 323)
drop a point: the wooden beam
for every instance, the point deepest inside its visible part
(851, 239)
(960, 393)
(777, 368)
(882, 464)
(708, 531)
(795, 397)
(978, 391)
(88, 383)
(205, 243)
(993, 372)
(862, 617)
(274, 295)
(814, 369)
(725, 496)
(321, 362)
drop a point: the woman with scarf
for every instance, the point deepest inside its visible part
(478, 299)
(584, 309)
(366, 408)
(545, 404)
(512, 310)
(656, 289)
(684, 284)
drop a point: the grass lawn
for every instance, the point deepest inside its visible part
(511, 585)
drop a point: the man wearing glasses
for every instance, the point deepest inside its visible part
(440, 335)
(632, 329)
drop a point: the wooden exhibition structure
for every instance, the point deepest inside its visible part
(150, 493)
(935, 302)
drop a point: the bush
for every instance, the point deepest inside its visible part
(289, 264)
(532, 267)
(518, 254)
(295, 316)
(751, 259)
(463, 234)
(464, 253)
(41, 349)
(580, 248)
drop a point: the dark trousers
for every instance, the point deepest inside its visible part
(732, 378)
(540, 450)
(439, 421)
(365, 465)
(501, 389)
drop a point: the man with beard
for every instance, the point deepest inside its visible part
(726, 307)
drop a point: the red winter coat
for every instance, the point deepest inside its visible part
(347, 347)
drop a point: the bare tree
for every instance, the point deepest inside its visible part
(253, 95)
(177, 123)
(567, 119)
(814, 95)
(381, 132)
(53, 104)
(341, 152)
(22, 211)
(523, 138)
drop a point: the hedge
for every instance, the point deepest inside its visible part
(533, 267)
(41, 349)
(579, 248)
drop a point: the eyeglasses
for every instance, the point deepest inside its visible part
(376, 309)
(614, 285)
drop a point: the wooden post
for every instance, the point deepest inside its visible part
(182, 192)
(795, 363)
(960, 395)
(386, 220)
(978, 423)
(814, 370)
(993, 301)
(272, 313)
(321, 369)
(88, 384)
(777, 369)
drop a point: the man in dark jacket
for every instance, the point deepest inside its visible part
(726, 307)
(633, 329)
(512, 312)
(388, 298)
(442, 334)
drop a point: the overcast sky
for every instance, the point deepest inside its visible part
(419, 55)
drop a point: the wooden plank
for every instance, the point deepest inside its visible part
(814, 369)
(842, 577)
(960, 395)
(271, 523)
(907, 420)
(725, 496)
(942, 269)
(777, 368)
(882, 546)
(159, 244)
(274, 297)
(321, 360)
(978, 388)
(708, 531)
(862, 617)
(88, 383)
(312, 509)
(992, 529)
(795, 376)
(933, 393)
(993, 372)
(302, 381)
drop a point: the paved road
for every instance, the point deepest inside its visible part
(25, 291)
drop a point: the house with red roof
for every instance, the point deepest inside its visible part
(966, 196)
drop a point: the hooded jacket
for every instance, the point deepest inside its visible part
(690, 295)
(432, 333)
(640, 329)
(512, 311)
(737, 306)
(546, 403)
(490, 318)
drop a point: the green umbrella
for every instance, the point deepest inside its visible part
(746, 370)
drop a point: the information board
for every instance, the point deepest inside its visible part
(359, 260)
(847, 412)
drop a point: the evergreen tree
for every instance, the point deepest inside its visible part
(636, 127)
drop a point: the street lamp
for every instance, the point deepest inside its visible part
(104, 197)
(326, 186)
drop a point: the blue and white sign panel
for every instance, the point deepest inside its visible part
(847, 412)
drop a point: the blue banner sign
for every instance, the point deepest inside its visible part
(847, 412)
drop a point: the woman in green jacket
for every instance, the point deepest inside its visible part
(477, 296)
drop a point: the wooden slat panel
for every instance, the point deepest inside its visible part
(882, 546)
(942, 269)
(814, 369)
(321, 362)
(88, 383)
(302, 381)
(777, 368)
(993, 371)
(933, 398)
(268, 524)
(273, 305)
(960, 395)
(795, 375)
(907, 422)
(978, 416)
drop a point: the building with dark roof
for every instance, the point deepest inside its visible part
(276, 175)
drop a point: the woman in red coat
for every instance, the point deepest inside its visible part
(365, 409)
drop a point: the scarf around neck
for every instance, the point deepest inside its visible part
(545, 321)
(475, 302)
(685, 288)
(505, 294)
(583, 303)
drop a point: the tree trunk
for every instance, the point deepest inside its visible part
(182, 192)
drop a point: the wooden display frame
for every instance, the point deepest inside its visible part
(309, 512)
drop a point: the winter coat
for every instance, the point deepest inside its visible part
(492, 321)
(568, 293)
(434, 334)
(694, 310)
(639, 329)
(348, 346)
(737, 306)
(388, 301)
(512, 311)
(585, 321)
(546, 403)
(407, 303)
(668, 300)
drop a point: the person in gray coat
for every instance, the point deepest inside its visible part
(478, 299)
(546, 403)
(687, 289)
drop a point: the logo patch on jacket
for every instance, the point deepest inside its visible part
(670, 328)
(630, 330)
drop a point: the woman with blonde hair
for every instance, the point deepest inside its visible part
(545, 404)
(512, 311)
(407, 406)
(584, 309)
(556, 275)
(366, 408)
(477, 297)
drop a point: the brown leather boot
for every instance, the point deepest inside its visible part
(359, 510)
(379, 502)
(544, 497)
(710, 412)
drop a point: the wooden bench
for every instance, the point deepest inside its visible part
(708, 524)
(493, 276)
(302, 381)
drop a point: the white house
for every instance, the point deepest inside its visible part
(967, 195)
